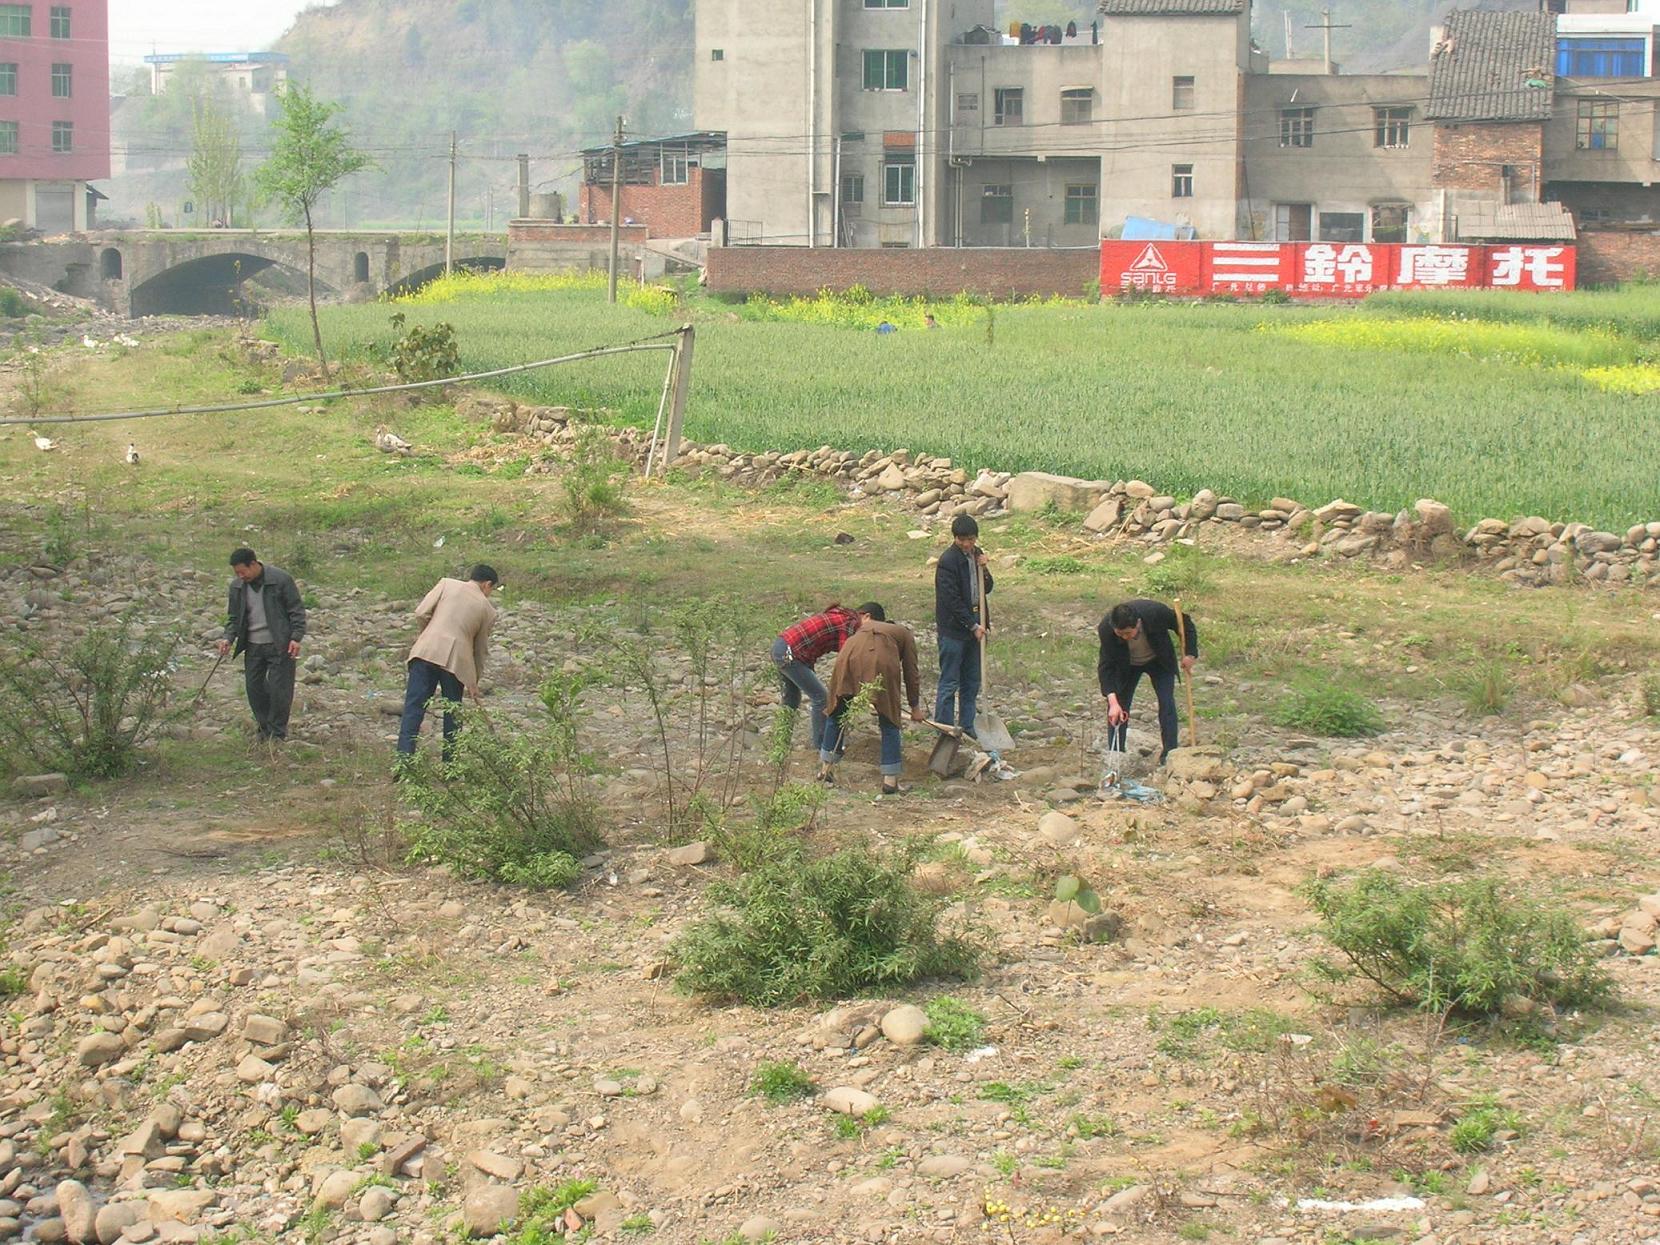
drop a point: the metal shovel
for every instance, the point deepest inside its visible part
(989, 730)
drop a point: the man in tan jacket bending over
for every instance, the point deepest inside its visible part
(448, 655)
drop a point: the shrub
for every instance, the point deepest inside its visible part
(1651, 695)
(542, 1210)
(592, 493)
(797, 929)
(88, 710)
(954, 1025)
(781, 1082)
(12, 304)
(1476, 1130)
(511, 805)
(1326, 709)
(1464, 947)
(424, 352)
(1488, 687)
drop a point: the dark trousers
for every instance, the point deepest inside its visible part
(1169, 720)
(269, 674)
(425, 678)
(959, 686)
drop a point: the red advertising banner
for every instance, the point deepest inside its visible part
(1330, 269)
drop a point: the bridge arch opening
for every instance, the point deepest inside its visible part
(426, 276)
(217, 285)
(360, 267)
(109, 264)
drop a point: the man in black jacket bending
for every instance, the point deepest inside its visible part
(1139, 637)
(960, 616)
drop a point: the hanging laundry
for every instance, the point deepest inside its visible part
(1072, 30)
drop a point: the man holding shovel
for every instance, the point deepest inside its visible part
(1139, 637)
(264, 618)
(959, 615)
(456, 618)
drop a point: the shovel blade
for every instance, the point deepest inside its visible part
(944, 755)
(990, 731)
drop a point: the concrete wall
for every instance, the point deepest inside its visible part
(1038, 202)
(1638, 136)
(1473, 156)
(1344, 170)
(35, 108)
(544, 246)
(1593, 203)
(1142, 55)
(936, 271)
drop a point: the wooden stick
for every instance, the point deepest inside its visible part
(1186, 677)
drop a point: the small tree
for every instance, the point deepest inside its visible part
(308, 158)
(216, 178)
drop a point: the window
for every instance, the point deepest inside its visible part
(1296, 127)
(1392, 127)
(1293, 222)
(60, 21)
(717, 54)
(1181, 93)
(8, 138)
(1077, 107)
(887, 70)
(997, 205)
(853, 136)
(1181, 181)
(1342, 226)
(676, 164)
(1599, 125)
(8, 78)
(967, 102)
(1082, 204)
(16, 20)
(1600, 58)
(899, 181)
(1011, 105)
(887, 4)
(63, 137)
(1389, 222)
(60, 81)
(853, 188)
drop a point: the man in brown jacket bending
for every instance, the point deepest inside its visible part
(878, 650)
(448, 655)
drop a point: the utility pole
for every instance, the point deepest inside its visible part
(524, 185)
(1327, 26)
(616, 204)
(449, 236)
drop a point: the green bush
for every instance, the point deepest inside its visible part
(86, 711)
(1476, 1130)
(592, 491)
(11, 303)
(781, 1082)
(954, 1025)
(1651, 695)
(1465, 947)
(1326, 709)
(796, 929)
(511, 805)
(424, 352)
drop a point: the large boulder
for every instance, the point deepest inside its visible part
(1038, 490)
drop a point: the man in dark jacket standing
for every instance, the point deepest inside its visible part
(960, 616)
(1139, 637)
(265, 618)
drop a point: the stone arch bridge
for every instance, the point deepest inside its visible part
(177, 272)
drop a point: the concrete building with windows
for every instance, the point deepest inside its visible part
(54, 111)
(256, 78)
(904, 123)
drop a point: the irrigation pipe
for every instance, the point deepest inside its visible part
(645, 343)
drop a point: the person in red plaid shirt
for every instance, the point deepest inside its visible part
(797, 650)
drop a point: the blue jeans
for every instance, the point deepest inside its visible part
(959, 688)
(797, 679)
(425, 678)
(893, 742)
(1164, 683)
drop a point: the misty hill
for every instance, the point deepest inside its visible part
(550, 76)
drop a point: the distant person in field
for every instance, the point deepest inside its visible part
(797, 650)
(448, 656)
(958, 614)
(928, 320)
(883, 653)
(885, 328)
(1139, 638)
(265, 619)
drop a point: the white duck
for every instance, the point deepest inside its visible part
(389, 442)
(43, 443)
(132, 454)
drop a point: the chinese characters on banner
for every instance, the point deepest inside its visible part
(1330, 269)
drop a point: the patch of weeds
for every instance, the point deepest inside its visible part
(1187, 1034)
(1651, 695)
(852, 1127)
(1195, 1230)
(1058, 564)
(14, 980)
(638, 1225)
(1329, 709)
(1089, 1127)
(781, 1082)
(954, 1025)
(1005, 1163)
(542, 1212)
(314, 1224)
(833, 927)
(1476, 1130)
(1430, 1183)
(1464, 947)
(1488, 687)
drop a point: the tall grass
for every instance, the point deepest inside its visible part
(1183, 396)
(1633, 310)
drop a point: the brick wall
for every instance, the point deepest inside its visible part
(1000, 272)
(1473, 156)
(1609, 256)
(666, 211)
(534, 231)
